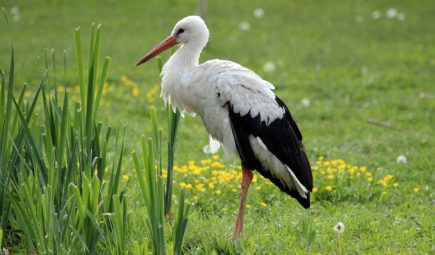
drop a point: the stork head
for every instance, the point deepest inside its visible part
(190, 30)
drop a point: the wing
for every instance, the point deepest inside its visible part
(266, 136)
(275, 151)
(244, 89)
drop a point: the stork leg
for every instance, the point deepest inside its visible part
(244, 184)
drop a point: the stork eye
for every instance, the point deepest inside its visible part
(180, 31)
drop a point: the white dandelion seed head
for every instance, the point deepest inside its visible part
(305, 102)
(359, 19)
(15, 10)
(401, 16)
(258, 13)
(269, 67)
(339, 227)
(376, 14)
(401, 159)
(244, 26)
(391, 13)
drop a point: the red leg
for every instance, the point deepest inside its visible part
(246, 181)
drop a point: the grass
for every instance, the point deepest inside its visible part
(370, 88)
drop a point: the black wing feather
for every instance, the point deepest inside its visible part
(283, 138)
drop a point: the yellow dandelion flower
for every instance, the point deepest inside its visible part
(320, 158)
(383, 183)
(188, 186)
(61, 89)
(330, 176)
(388, 177)
(328, 188)
(106, 88)
(211, 185)
(248, 206)
(416, 189)
(205, 161)
(368, 174)
(182, 184)
(200, 187)
(124, 79)
(195, 198)
(135, 91)
(125, 177)
(263, 204)
(326, 163)
(150, 98)
(341, 168)
(363, 169)
(218, 192)
(315, 189)
(258, 188)
(234, 190)
(215, 157)
(217, 165)
(369, 179)
(352, 170)
(396, 184)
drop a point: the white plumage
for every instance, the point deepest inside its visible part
(238, 109)
(205, 89)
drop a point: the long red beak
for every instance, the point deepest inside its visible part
(164, 45)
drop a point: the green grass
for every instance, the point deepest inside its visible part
(351, 72)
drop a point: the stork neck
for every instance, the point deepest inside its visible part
(187, 55)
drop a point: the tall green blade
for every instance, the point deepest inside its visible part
(102, 80)
(7, 116)
(173, 119)
(80, 68)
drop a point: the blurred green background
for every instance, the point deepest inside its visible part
(350, 63)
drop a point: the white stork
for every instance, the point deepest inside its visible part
(239, 109)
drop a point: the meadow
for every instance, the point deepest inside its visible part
(358, 77)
